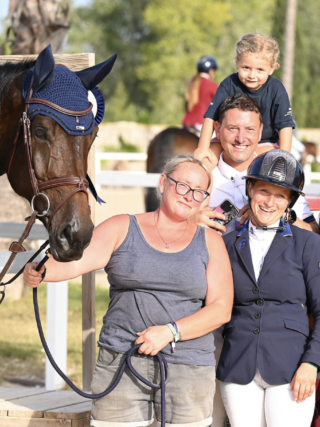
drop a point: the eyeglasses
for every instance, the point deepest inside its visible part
(182, 188)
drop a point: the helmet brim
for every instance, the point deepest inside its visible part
(274, 182)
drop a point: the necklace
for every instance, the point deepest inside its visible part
(166, 243)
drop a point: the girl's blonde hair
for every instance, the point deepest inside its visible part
(258, 44)
(192, 92)
(178, 160)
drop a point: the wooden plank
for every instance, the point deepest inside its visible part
(71, 412)
(35, 406)
(84, 422)
(7, 394)
(33, 422)
(75, 62)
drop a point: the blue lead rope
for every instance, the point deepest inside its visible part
(163, 366)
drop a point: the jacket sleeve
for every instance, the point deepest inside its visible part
(311, 272)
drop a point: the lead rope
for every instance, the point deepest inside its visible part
(163, 366)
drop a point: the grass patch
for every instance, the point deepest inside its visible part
(21, 352)
(315, 167)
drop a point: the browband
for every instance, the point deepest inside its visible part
(58, 108)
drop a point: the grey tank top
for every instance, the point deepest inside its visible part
(149, 287)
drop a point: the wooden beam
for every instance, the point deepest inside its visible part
(89, 292)
(76, 61)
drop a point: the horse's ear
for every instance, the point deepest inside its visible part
(92, 76)
(43, 69)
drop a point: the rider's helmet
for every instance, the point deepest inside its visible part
(205, 64)
(280, 168)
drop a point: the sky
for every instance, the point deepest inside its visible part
(4, 7)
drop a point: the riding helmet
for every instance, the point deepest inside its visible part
(205, 64)
(280, 168)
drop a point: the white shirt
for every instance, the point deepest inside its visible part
(260, 242)
(228, 184)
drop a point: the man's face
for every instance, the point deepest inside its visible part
(239, 133)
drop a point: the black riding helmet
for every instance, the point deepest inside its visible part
(205, 64)
(280, 168)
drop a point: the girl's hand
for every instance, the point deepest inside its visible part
(303, 382)
(204, 153)
(32, 277)
(154, 339)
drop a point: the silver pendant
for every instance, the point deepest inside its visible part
(167, 246)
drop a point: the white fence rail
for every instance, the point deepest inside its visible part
(144, 179)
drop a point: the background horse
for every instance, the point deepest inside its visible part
(166, 144)
(59, 143)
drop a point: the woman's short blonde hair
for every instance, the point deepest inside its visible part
(259, 44)
(178, 160)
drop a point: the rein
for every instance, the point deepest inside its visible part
(163, 366)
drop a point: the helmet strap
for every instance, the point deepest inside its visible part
(264, 227)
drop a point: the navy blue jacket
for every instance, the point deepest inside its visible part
(269, 327)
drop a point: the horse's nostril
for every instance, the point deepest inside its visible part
(67, 233)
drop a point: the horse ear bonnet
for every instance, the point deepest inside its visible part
(68, 89)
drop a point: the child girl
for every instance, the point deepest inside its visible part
(256, 59)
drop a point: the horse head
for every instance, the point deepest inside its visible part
(63, 125)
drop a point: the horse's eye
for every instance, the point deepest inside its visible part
(40, 133)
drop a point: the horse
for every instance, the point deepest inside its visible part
(166, 144)
(47, 127)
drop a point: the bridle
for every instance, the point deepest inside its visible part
(38, 187)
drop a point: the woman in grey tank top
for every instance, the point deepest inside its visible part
(170, 287)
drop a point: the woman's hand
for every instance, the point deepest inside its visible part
(154, 339)
(32, 277)
(303, 382)
(207, 214)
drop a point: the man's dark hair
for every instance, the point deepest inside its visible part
(240, 101)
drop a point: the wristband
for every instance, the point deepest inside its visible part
(175, 336)
(176, 327)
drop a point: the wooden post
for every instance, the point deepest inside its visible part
(88, 293)
(289, 44)
(77, 62)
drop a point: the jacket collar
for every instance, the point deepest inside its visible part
(285, 233)
(277, 247)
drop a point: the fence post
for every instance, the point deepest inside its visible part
(89, 292)
(57, 332)
(307, 173)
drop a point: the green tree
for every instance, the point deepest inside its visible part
(108, 27)
(159, 43)
(306, 88)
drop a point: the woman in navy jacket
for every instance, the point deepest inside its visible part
(269, 360)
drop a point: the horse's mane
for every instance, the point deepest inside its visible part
(9, 71)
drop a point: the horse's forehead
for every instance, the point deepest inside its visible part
(67, 91)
